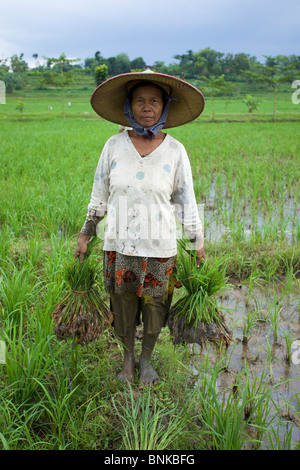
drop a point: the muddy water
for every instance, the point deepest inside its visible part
(262, 349)
(220, 215)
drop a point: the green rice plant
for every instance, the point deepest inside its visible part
(59, 408)
(55, 256)
(226, 418)
(296, 233)
(288, 344)
(248, 324)
(146, 425)
(89, 426)
(222, 418)
(290, 266)
(41, 318)
(4, 442)
(253, 280)
(26, 359)
(201, 285)
(280, 437)
(17, 289)
(274, 310)
(270, 357)
(14, 422)
(237, 230)
(270, 266)
(265, 416)
(82, 314)
(5, 243)
(33, 254)
(256, 387)
(216, 408)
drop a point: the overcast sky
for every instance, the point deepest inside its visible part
(154, 30)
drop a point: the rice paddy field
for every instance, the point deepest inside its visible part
(59, 395)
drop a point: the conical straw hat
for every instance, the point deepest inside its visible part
(108, 98)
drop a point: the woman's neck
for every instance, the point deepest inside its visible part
(143, 144)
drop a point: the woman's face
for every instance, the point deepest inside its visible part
(147, 105)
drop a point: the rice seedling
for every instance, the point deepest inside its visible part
(146, 425)
(249, 323)
(5, 243)
(56, 254)
(265, 417)
(280, 437)
(222, 417)
(33, 253)
(252, 281)
(288, 344)
(274, 310)
(82, 314)
(17, 289)
(256, 388)
(58, 408)
(270, 357)
(16, 423)
(198, 304)
(239, 417)
(26, 359)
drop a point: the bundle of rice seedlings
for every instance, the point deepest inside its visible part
(82, 314)
(196, 317)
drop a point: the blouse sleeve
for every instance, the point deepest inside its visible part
(97, 207)
(184, 200)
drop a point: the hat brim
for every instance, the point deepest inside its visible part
(109, 97)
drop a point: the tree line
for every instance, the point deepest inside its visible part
(217, 74)
(204, 64)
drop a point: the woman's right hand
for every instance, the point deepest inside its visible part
(81, 248)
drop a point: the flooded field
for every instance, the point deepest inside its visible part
(58, 396)
(265, 220)
(264, 323)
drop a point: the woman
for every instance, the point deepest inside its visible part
(142, 179)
